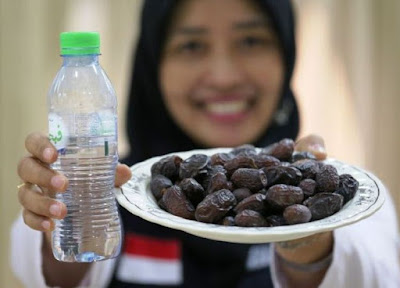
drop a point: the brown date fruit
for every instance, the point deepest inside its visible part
(205, 180)
(308, 168)
(228, 221)
(308, 186)
(297, 155)
(220, 158)
(218, 181)
(241, 193)
(275, 220)
(176, 203)
(282, 175)
(214, 206)
(327, 179)
(348, 187)
(278, 186)
(263, 191)
(320, 165)
(263, 160)
(324, 204)
(281, 196)
(255, 202)
(158, 184)
(254, 179)
(195, 166)
(250, 218)
(296, 214)
(282, 150)
(167, 166)
(161, 204)
(244, 150)
(217, 168)
(193, 190)
(239, 162)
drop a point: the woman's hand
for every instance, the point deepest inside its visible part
(309, 249)
(41, 183)
(313, 144)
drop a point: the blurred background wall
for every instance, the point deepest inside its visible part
(346, 80)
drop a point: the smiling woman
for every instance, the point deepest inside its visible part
(203, 68)
(222, 71)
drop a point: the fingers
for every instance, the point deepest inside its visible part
(39, 209)
(32, 171)
(313, 144)
(122, 175)
(37, 222)
(39, 204)
(40, 147)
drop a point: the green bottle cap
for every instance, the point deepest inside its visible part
(80, 43)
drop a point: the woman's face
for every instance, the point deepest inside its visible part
(222, 71)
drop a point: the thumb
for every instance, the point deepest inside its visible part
(313, 144)
(122, 175)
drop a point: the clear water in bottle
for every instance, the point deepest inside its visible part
(83, 127)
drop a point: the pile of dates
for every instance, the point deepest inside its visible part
(251, 187)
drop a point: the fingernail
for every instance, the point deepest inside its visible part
(58, 181)
(46, 225)
(55, 210)
(48, 154)
(318, 148)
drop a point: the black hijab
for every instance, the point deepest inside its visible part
(151, 130)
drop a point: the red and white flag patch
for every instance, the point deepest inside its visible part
(150, 260)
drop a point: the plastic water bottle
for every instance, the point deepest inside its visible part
(83, 127)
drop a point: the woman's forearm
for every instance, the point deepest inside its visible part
(304, 251)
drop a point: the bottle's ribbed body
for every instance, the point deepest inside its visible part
(83, 128)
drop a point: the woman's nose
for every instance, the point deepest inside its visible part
(224, 72)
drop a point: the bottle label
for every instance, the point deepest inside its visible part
(101, 123)
(100, 126)
(108, 123)
(58, 133)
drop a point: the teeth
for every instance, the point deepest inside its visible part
(227, 107)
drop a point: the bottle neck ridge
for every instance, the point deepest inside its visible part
(80, 60)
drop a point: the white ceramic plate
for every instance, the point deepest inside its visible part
(136, 197)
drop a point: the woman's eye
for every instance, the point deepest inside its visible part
(251, 41)
(191, 47)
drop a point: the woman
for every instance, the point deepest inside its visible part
(207, 74)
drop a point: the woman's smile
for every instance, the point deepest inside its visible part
(226, 108)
